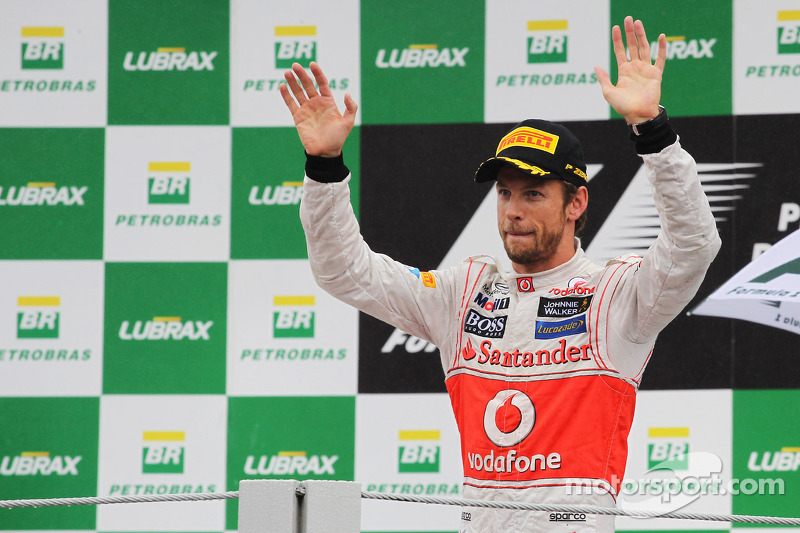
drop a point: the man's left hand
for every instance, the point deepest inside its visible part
(638, 90)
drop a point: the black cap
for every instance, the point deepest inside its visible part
(539, 148)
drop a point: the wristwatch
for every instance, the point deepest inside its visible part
(653, 123)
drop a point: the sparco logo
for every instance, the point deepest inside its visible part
(421, 55)
(492, 327)
(567, 517)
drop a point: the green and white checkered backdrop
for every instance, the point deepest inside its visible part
(160, 331)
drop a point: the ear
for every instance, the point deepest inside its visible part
(578, 204)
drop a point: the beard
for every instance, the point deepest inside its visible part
(543, 247)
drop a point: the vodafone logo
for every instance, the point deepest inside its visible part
(514, 411)
(574, 286)
(525, 284)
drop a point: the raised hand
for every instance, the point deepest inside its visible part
(320, 125)
(638, 90)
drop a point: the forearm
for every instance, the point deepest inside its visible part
(675, 265)
(344, 266)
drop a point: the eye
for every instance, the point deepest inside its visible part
(503, 192)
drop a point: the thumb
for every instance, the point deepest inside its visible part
(350, 108)
(603, 79)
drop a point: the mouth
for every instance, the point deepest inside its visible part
(516, 233)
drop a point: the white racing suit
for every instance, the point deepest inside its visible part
(542, 370)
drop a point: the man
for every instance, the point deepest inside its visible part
(543, 380)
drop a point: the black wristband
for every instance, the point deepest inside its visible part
(654, 135)
(326, 169)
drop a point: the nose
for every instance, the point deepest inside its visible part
(514, 208)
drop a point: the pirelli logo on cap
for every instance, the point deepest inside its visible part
(531, 138)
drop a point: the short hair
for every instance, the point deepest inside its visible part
(570, 191)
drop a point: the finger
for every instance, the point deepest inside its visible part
(287, 98)
(641, 37)
(661, 59)
(619, 48)
(305, 80)
(603, 79)
(322, 81)
(297, 91)
(350, 108)
(630, 38)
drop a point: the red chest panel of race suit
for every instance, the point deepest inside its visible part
(543, 430)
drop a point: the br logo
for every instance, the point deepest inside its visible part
(293, 316)
(167, 185)
(42, 48)
(37, 318)
(295, 46)
(419, 451)
(163, 452)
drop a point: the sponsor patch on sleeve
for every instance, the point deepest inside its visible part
(428, 279)
(413, 270)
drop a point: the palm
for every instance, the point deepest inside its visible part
(321, 127)
(638, 90)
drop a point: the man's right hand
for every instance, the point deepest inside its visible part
(322, 129)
